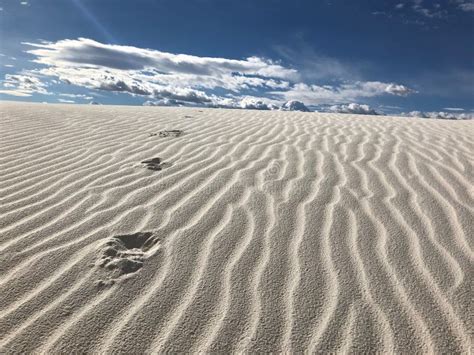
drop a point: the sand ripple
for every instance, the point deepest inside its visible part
(267, 231)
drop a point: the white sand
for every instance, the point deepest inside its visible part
(264, 231)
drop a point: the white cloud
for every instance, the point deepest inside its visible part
(433, 9)
(76, 96)
(67, 101)
(316, 66)
(24, 85)
(260, 103)
(453, 109)
(18, 93)
(399, 90)
(315, 94)
(354, 108)
(246, 103)
(426, 9)
(434, 12)
(466, 5)
(183, 94)
(164, 78)
(251, 103)
(152, 73)
(163, 102)
(440, 115)
(87, 53)
(294, 105)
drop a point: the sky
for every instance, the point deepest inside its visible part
(363, 56)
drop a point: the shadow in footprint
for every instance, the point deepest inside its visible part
(134, 241)
(156, 164)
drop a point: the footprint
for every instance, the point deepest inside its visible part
(167, 133)
(156, 164)
(125, 254)
(171, 133)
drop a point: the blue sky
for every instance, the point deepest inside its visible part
(394, 56)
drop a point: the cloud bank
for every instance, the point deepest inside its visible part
(440, 115)
(168, 78)
(354, 108)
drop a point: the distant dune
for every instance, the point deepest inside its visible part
(138, 229)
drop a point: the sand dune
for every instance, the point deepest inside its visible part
(253, 231)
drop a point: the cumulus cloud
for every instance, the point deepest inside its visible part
(23, 85)
(246, 102)
(164, 102)
(399, 90)
(259, 103)
(294, 105)
(252, 103)
(183, 94)
(165, 78)
(354, 108)
(153, 73)
(440, 115)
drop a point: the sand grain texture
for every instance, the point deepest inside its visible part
(249, 231)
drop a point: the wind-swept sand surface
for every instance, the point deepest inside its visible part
(248, 231)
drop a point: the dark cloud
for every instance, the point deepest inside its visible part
(85, 52)
(121, 86)
(188, 96)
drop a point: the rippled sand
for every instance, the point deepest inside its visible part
(253, 231)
